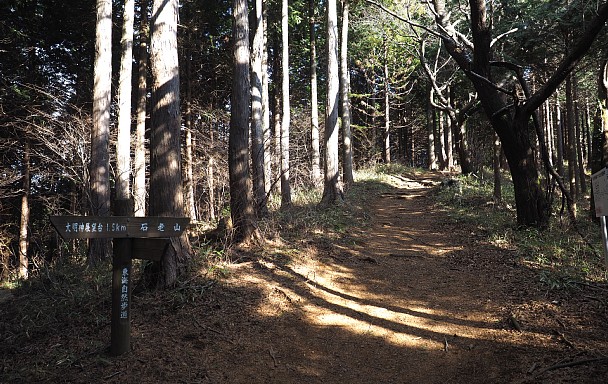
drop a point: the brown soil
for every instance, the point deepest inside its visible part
(412, 298)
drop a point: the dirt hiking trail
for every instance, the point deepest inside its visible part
(414, 297)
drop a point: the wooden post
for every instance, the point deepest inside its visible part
(134, 237)
(121, 287)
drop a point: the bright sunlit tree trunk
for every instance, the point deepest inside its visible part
(123, 142)
(99, 184)
(241, 200)
(332, 191)
(166, 189)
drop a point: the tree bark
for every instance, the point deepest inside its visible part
(314, 107)
(241, 200)
(448, 140)
(386, 145)
(559, 128)
(496, 166)
(211, 188)
(277, 119)
(166, 188)
(100, 249)
(266, 105)
(443, 159)
(588, 130)
(23, 270)
(579, 142)
(462, 146)
(211, 176)
(430, 126)
(599, 148)
(347, 150)
(139, 161)
(571, 140)
(257, 119)
(549, 130)
(123, 141)
(332, 191)
(286, 108)
(190, 149)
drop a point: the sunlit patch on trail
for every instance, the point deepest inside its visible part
(330, 296)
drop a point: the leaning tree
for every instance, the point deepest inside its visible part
(511, 111)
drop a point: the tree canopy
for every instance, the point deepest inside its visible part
(428, 80)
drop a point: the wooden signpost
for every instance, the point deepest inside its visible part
(134, 238)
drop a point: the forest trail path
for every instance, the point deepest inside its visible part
(412, 297)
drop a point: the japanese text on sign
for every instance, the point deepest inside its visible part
(124, 294)
(83, 227)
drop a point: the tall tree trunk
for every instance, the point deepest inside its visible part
(332, 190)
(189, 164)
(585, 132)
(190, 148)
(437, 136)
(571, 140)
(241, 200)
(580, 140)
(412, 145)
(139, 161)
(100, 249)
(166, 188)
(123, 141)
(443, 159)
(559, 128)
(211, 187)
(549, 130)
(449, 142)
(347, 149)
(430, 126)
(266, 104)
(496, 165)
(277, 119)
(464, 153)
(286, 117)
(211, 175)
(257, 119)
(531, 203)
(386, 148)
(314, 107)
(25, 214)
(588, 130)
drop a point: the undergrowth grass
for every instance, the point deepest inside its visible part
(306, 222)
(561, 255)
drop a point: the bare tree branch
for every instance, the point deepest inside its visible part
(497, 38)
(405, 20)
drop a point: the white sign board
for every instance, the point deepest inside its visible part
(599, 182)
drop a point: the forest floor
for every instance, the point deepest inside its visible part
(408, 296)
